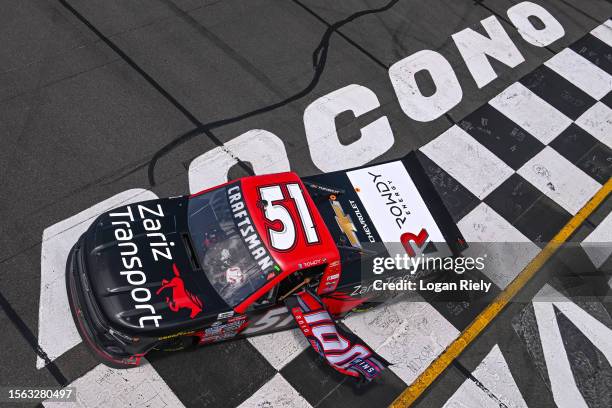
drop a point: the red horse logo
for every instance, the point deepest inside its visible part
(181, 297)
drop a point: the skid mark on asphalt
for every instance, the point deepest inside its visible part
(200, 127)
(319, 59)
(604, 32)
(490, 385)
(56, 330)
(131, 63)
(31, 340)
(265, 151)
(227, 49)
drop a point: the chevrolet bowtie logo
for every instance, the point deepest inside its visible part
(346, 224)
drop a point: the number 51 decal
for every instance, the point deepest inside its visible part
(282, 228)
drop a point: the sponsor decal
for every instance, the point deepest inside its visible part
(345, 223)
(367, 369)
(281, 216)
(342, 349)
(171, 336)
(159, 246)
(362, 221)
(396, 208)
(391, 198)
(311, 263)
(247, 230)
(331, 278)
(224, 330)
(180, 297)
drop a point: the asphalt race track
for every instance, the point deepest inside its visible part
(103, 103)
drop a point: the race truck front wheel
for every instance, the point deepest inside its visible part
(177, 343)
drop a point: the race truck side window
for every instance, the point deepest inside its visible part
(308, 277)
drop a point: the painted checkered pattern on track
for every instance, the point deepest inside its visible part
(515, 170)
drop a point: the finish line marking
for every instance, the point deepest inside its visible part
(427, 377)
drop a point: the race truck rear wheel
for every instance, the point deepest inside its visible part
(364, 307)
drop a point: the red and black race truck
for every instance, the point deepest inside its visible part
(220, 264)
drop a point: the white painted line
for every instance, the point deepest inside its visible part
(56, 331)
(106, 387)
(281, 347)
(581, 72)
(566, 392)
(494, 374)
(327, 151)
(598, 244)
(598, 333)
(469, 162)
(598, 122)
(276, 393)
(409, 334)
(507, 250)
(531, 112)
(470, 395)
(604, 32)
(265, 151)
(559, 179)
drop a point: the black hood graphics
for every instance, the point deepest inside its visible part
(141, 270)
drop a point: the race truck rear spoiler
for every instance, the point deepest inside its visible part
(393, 203)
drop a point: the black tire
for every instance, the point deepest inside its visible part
(364, 307)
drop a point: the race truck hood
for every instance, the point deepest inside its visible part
(139, 270)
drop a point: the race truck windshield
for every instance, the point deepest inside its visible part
(227, 246)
